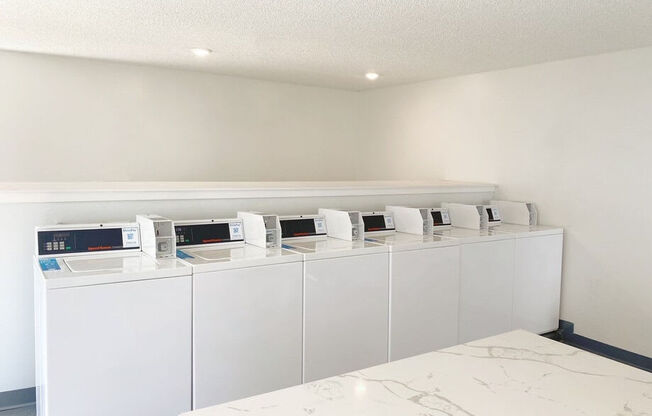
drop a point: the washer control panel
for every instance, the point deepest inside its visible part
(192, 233)
(100, 238)
(376, 221)
(493, 215)
(302, 226)
(440, 218)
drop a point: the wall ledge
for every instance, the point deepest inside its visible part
(43, 192)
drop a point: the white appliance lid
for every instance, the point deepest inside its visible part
(472, 235)
(406, 241)
(109, 264)
(85, 270)
(211, 258)
(529, 230)
(334, 247)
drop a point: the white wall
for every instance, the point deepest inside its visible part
(574, 136)
(64, 119)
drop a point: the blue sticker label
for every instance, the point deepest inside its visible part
(184, 255)
(287, 247)
(49, 264)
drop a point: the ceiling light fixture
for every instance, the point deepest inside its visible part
(371, 76)
(201, 52)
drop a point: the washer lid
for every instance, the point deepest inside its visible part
(529, 230)
(85, 270)
(109, 264)
(224, 254)
(404, 241)
(468, 235)
(204, 259)
(334, 247)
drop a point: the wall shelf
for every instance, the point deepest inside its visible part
(42, 192)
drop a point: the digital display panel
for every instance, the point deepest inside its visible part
(436, 218)
(188, 235)
(300, 227)
(374, 223)
(491, 214)
(80, 241)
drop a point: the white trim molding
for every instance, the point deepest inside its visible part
(41, 192)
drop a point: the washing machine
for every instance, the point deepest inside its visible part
(537, 279)
(113, 324)
(247, 310)
(424, 283)
(487, 270)
(345, 298)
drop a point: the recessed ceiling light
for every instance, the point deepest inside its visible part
(371, 76)
(201, 52)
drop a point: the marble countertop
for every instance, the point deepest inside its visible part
(513, 374)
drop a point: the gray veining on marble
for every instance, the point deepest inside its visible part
(512, 374)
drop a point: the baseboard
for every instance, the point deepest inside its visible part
(567, 335)
(17, 398)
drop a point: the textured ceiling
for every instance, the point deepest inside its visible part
(328, 43)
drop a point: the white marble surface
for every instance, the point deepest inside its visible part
(513, 374)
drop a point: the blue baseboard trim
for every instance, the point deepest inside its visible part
(568, 336)
(17, 398)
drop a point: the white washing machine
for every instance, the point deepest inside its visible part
(424, 287)
(487, 262)
(537, 280)
(247, 312)
(113, 324)
(345, 298)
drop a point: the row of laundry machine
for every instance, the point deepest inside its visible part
(157, 317)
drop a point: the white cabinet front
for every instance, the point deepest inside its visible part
(247, 332)
(346, 314)
(424, 300)
(486, 286)
(119, 349)
(537, 284)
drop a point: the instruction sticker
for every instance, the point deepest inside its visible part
(320, 226)
(49, 264)
(496, 214)
(183, 255)
(235, 229)
(130, 237)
